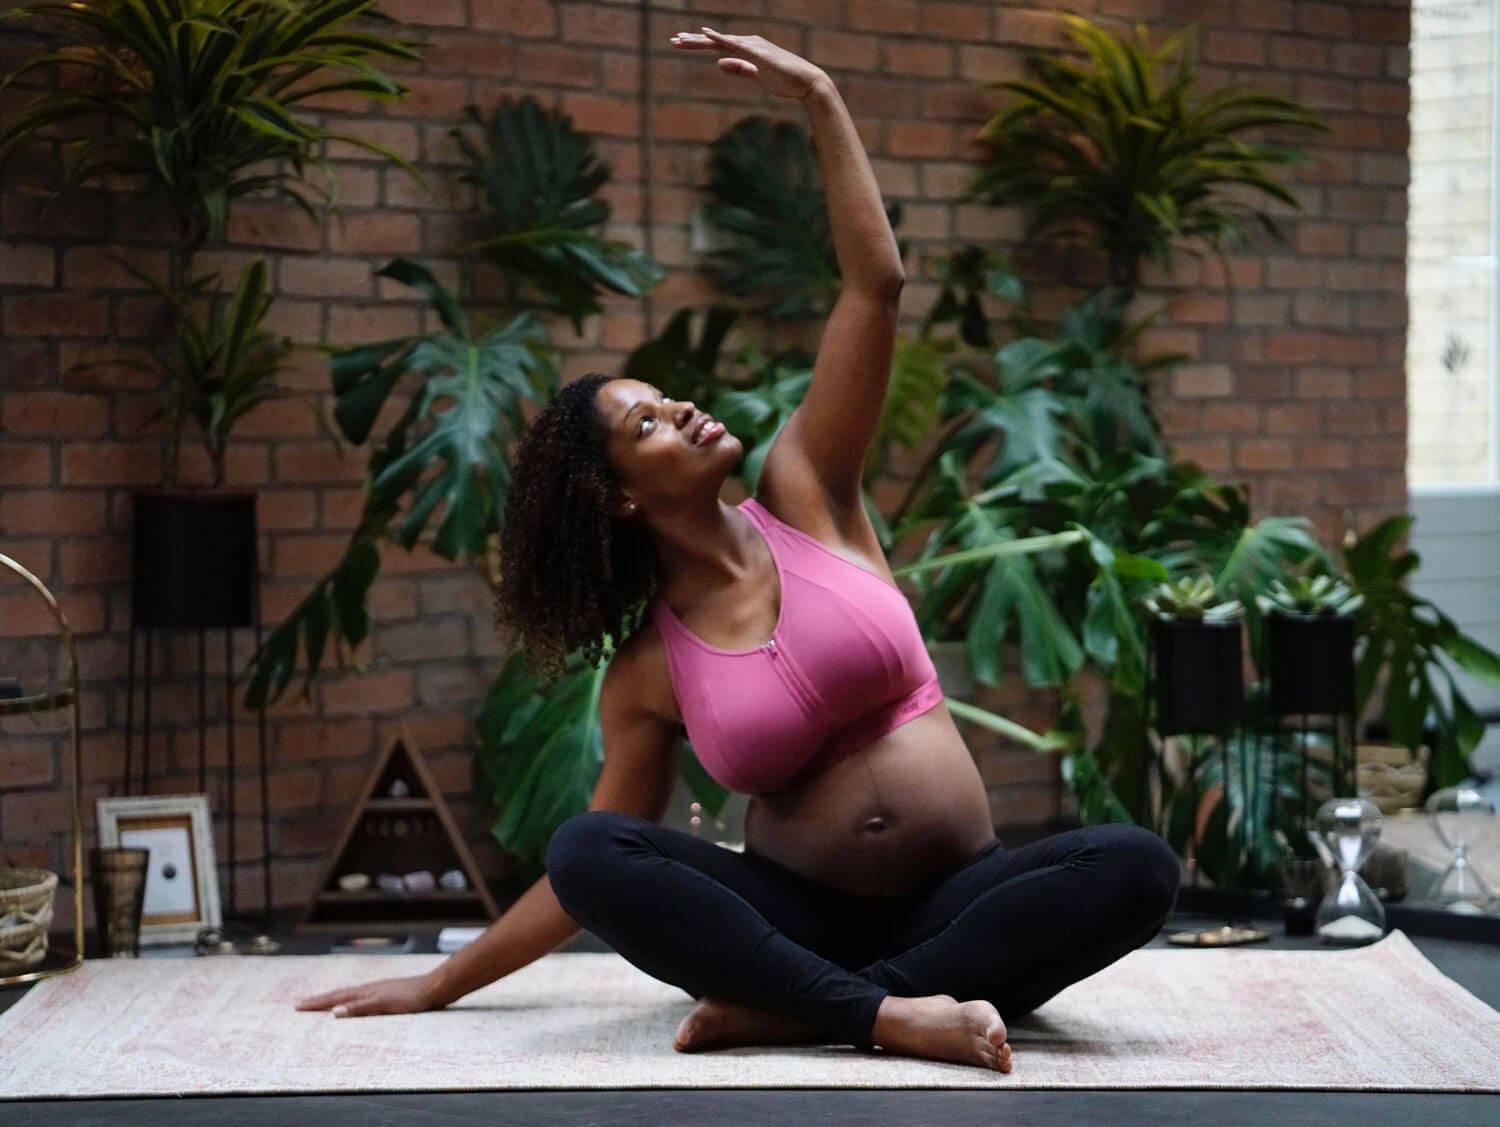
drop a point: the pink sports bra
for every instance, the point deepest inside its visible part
(845, 665)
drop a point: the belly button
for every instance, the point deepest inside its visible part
(873, 825)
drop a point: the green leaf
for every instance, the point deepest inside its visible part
(540, 181)
(541, 752)
(1119, 147)
(197, 107)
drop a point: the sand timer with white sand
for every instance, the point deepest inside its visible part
(1346, 833)
(1461, 815)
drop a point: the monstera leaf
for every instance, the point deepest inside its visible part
(1406, 642)
(763, 181)
(468, 407)
(540, 180)
(446, 450)
(540, 753)
(756, 414)
(682, 368)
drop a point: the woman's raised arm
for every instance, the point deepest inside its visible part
(825, 441)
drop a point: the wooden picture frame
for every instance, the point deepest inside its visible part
(177, 831)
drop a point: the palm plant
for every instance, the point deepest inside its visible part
(195, 98)
(1117, 148)
(196, 102)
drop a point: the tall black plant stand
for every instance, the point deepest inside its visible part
(1195, 685)
(1309, 660)
(196, 567)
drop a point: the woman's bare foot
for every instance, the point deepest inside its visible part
(942, 1028)
(719, 1025)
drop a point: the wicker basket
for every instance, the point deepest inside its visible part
(1391, 777)
(25, 916)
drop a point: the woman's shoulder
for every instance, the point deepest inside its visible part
(846, 533)
(641, 665)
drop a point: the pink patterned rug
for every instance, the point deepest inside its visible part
(1378, 1018)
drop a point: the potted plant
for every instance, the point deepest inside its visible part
(1125, 151)
(1196, 646)
(1310, 644)
(439, 473)
(196, 104)
(195, 549)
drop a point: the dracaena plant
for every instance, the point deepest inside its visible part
(217, 368)
(199, 103)
(1119, 146)
(198, 100)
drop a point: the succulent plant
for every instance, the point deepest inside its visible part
(1319, 594)
(1193, 598)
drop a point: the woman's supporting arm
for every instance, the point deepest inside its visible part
(640, 768)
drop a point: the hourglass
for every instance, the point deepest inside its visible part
(1347, 831)
(1460, 815)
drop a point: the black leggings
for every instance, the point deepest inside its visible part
(1013, 926)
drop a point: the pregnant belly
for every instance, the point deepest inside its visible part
(885, 820)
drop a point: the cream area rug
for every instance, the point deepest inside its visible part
(1373, 1018)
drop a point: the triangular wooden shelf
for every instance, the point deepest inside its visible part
(399, 835)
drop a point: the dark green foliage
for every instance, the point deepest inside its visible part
(1116, 149)
(1406, 639)
(539, 179)
(763, 181)
(199, 95)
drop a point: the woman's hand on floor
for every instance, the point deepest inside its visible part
(386, 996)
(779, 71)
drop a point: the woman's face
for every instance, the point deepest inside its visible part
(651, 444)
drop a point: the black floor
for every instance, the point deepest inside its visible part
(1476, 966)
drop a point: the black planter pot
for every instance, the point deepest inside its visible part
(195, 559)
(1310, 663)
(1200, 677)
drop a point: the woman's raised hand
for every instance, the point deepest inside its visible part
(778, 70)
(387, 996)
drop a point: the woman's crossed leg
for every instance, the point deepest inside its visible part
(775, 956)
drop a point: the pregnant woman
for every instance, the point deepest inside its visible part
(873, 904)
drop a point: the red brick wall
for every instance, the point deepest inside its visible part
(1297, 383)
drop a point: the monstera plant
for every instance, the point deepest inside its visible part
(440, 472)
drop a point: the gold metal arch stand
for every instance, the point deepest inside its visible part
(62, 959)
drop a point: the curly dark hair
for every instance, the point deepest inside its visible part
(571, 572)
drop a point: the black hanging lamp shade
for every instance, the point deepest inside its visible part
(1200, 676)
(1311, 663)
(195, 559)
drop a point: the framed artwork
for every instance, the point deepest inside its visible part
(182, 886)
